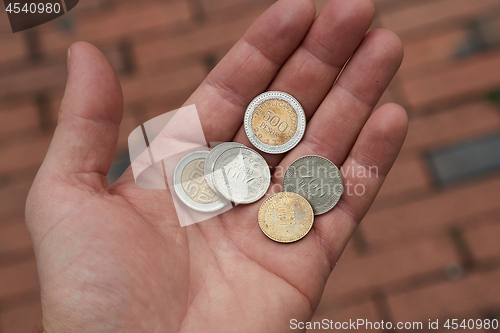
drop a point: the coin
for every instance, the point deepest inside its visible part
(212, 157)
(317, 179)
(285, 217)
(241, 175)
(274, 122)
(191, 187)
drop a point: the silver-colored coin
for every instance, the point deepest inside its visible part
(241, 175)
(317, 179)
(191, 187)
(274, 122)
(212, 157)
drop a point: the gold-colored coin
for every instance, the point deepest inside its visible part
(274, 122)
(286, 217)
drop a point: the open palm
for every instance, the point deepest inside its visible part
(114, 259)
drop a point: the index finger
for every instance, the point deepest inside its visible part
(250, 66)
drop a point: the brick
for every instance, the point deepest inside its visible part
(366, 311)
(115, 22)
(195, 42)
(4, 24)
(13, 48)
(150, 86)
(388, 265)
(14, 118)
(452, 125)
(114, 56)
(21, 319)
(483, 241)
(17, 279)
(380, 3)
(24, 155)
(33, 79)
(423, 15)
(407, 175)
(169, 103)
(227, 7)
(435, 213)
(128, 124)
(432, 51)
(472, 77)
(449, 299)
(130, 18)
(13, 198)
(350, 252)
(13, 238)
(11, 219)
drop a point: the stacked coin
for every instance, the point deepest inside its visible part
(241, 175)
(229, 172)
(191, 187)
(274, 123)
(212, 157)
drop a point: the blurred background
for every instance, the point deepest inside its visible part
(429, 247)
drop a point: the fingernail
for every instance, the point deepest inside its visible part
(68, 57)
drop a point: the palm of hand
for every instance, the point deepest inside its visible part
(116, 259)
(219, 271)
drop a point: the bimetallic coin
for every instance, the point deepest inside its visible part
(241, 175)
(286, 217)
(274, 122)
(191, 187)
(316, 179)
(212, 157)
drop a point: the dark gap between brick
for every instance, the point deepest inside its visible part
(381, 306)
(482, 35)
(33, 45)
(44, 114)
(359, 242)
(210, 61)
(126, 56)
(493, 96)
(198, 11)
(466, 160)
(463, 249)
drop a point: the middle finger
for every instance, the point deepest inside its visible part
(311, 70)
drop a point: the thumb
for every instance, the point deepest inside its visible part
(86, 135)
(84, 141)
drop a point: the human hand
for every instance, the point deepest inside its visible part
(114, 258)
